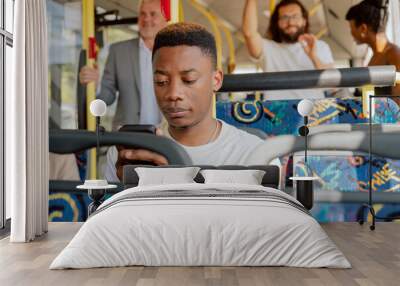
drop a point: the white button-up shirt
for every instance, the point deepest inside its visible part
(149, 111)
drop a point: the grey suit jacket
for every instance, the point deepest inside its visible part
(122, 74)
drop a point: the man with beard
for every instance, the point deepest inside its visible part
(288, 47)
(128, 71)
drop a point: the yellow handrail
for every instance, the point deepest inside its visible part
(87, 33)
(239, 36)
(217, 34)
(314, 9)
(229, 39)
(322, 32)
(231, 47)
(311, 12)
(218, 39)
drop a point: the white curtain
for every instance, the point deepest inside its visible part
(394, 10)
(27, 124)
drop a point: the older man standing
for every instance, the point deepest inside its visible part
(128, 71)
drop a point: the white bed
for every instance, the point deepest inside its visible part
(201, 224)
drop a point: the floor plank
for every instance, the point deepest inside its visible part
(375, 257)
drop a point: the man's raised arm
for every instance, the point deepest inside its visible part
(250, 29)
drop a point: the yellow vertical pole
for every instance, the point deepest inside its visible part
(181, 12)
(232, 56)
(272, 4)
(367, 91)
(87, 34)
(230, 43)
(174, 11)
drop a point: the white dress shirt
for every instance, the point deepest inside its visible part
(149, 111)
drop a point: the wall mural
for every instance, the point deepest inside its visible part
(343, 173)
(281, 117)
(69, 206)
(346, 173)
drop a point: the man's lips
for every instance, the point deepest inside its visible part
(291, 29)
(176, 112)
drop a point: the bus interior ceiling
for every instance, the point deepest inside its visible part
(327, 20)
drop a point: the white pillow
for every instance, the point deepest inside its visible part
(248, 177)
(165, 176)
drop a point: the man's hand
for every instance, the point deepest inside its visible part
(128, 156)
(309, 44)
(89, 74)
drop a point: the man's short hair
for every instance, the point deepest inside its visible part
(373, 13)
(187, 34)
(273, 29)
(140, 2)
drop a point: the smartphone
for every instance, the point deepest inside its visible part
(143, 128)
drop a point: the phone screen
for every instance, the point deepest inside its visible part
(145, 128)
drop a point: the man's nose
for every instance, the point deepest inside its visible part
(175, 91)
(145, 17)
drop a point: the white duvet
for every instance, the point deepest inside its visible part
(188, 231)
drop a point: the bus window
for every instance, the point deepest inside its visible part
(65, 44)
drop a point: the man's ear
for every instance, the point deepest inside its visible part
(218, 78)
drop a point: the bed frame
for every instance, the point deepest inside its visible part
(271, 178)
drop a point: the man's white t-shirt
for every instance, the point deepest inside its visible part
(232, 147)
(279, 57)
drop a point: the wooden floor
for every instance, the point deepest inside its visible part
(375, 257)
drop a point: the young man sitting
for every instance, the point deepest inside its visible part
(185, 79)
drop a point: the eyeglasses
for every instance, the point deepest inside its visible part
(287, 18)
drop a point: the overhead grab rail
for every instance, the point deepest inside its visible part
(329, 78)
